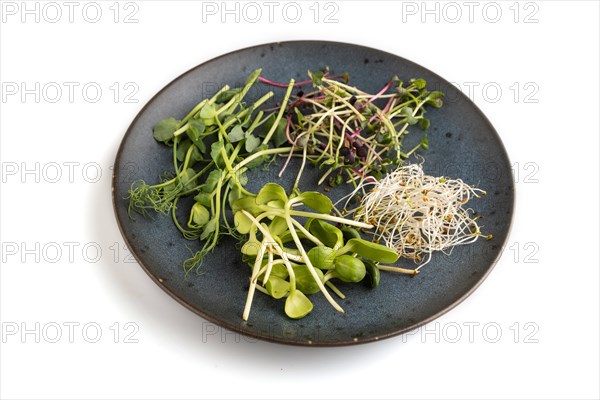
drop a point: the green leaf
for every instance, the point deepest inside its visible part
(286, 236)
(266, 126)
(425, 124)
(419, 83)
(301, 118)
(200, 146)
(305, 281)
(182, 148)
(236, 134)
(234, 194)
(186, 180)
(211, 182)
(194, 132)
(322, 257)
(279, 137)
(215, 152)
(277, 287)
(435, 99)
(425, 143)
(349, 269)
(437, 103)
(317, 78)
(317, 201)
(196, 128)
(199, 216)
(406, 111)
(209, 228)
(349, 233)
(373, 272)
(196, 156)
(165, 129)
(227, 95)
(242, 223)
(326, 233)
(208, 112)
(252, 142)
(280, 270)
(203, 198)
(271, 192)
(277, 226)
(436, 94)
(242, 176)
(297, 305)
(370, 250)
(248, 204)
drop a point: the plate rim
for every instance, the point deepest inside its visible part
(281, 340)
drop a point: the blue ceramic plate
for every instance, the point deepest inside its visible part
(463, 144)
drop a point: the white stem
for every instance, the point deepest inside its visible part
(311, 268)
(306, 233)
(331, 218)
(255, 271)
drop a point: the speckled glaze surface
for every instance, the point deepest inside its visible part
(463, 144)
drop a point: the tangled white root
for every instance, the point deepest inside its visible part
(416, 214)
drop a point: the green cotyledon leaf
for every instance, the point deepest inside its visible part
(297, 305)
(372, 251)
(248, 204)
(326, 233)
(349, 269)
(271, 192)
(315, 200)
(277, 287)
(242, 223)
(305, 282)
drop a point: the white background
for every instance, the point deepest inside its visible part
(539, 305)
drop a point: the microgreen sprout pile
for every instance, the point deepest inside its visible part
(351, 133)
(292, 241)
(417, 214)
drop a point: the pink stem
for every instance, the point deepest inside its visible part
(287, 134)
(287, 129)
(282, 85)
(370, 178)
(286, 162)
(297, 84)
(356, 133)
(382, 91)
(387, 106)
